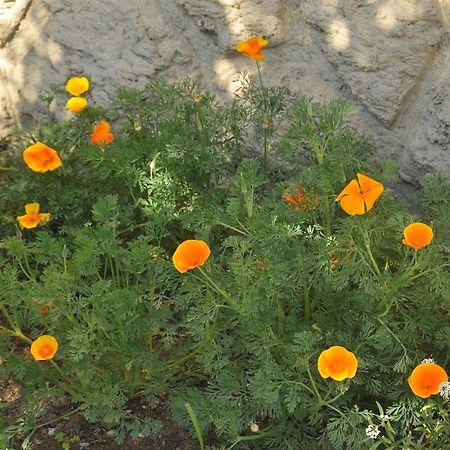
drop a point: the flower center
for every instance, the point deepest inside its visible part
(46, 350)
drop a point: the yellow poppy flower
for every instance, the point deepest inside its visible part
(32, 217)
(76, 104)
(44, 347)
(77, 85)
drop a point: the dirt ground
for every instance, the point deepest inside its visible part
(88, 436)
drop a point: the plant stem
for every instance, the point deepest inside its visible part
(8, 317)
(24, 271)
(64, 416)
(141, 225)
(302, 385)
(233, 228)
(266, 116)
(394, 336)
(313, 384)
(372, 259)
(180, 361)
(218, 289)
(197, 426)
(307, 302)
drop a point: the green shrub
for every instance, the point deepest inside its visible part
(239, 339)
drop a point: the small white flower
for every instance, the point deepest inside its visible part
(444, 390)
(384, 417)
(51, 431)
(427, 361)
(372, 431)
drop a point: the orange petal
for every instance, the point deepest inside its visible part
(190, 254)
(417, 235)
(101, 134)
(41, 158)
(32, 208)
(77, 85)
(257, 56)
(252, 47)
(76, 104)
(352, 188)
(367, 183)
(426, 378)
(44, 347)
(257, 43)
(44, 217)
(371, 196)
(338, 363)
(28, 221)
(353, 204)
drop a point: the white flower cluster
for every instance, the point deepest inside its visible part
(384, 417)
(427, 361)
(372, 431)
(444, 390)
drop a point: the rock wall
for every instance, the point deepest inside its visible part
(390, 57)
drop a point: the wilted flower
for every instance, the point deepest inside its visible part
(41, 158)
(44, 310)
(77, 85)
(76, 104)
(334, 261)
(252, 47)
(358, 197)
(44, 347)
(190, 254)
(372, 431)
(102, 134)
(197, 97)
(32, 217)
(417, 235)
(298, 200)
(426, 379)
(338, 363)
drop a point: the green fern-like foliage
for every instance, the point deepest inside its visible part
(239, 339)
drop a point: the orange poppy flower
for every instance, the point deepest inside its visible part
(41, 158)
(190, 254)
(417, 235)
(252, 47)
(77, 85)
(76, 104)
(300, 201)
(44, 347)
(102, 134)
(32, 217)
(338, 363)
(359, 196)
(426, 378)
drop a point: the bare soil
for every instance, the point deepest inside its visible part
(171, 436)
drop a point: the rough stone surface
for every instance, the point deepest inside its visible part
(390, 57)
